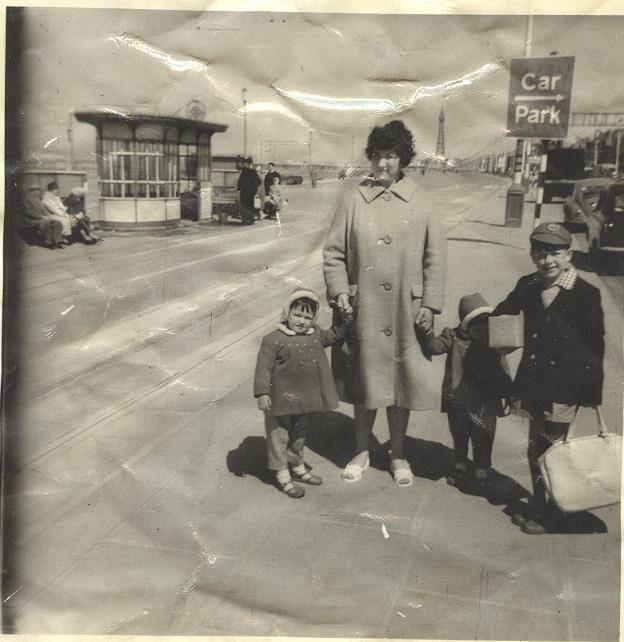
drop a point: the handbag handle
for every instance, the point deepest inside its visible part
(603, 431)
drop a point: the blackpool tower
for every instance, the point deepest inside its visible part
(440, 145)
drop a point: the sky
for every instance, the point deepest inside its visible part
(334, 75)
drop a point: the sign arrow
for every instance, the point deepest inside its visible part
(557, 98)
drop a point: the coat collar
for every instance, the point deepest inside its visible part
(291, 333)
(404, 188)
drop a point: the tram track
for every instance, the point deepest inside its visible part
(176, 328)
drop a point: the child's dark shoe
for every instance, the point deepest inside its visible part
(308, 478)
(533, 527)
(292, 490)
(456, 477)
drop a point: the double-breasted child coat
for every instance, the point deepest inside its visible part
(563, 344)
(293, 369)
(388, 252)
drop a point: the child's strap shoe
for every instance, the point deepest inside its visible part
(292, 490)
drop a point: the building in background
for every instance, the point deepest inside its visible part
(152, 170)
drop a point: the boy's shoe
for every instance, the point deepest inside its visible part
(456, 477)
(529, 522)
(308, 478)
(489, 489)
(292, 490)
(533, 527)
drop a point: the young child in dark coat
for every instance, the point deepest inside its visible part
(561, 366)
(475, 382)
(293, 381)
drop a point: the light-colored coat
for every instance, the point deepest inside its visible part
(389, 254)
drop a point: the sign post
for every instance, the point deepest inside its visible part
(540, 92)
(539, 97)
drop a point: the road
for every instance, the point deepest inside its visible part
(139, 503)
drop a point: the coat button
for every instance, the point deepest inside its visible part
(534, 335)
(387, 196)
(388, 331)
(387, 239)
(532, 357)
(387, 286)
(552, 363)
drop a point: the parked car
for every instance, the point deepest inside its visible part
(583, 201)
(605, 225)
(291, 179)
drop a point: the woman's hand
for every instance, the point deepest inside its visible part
(342, 303)
(264, 403)
(424, 319)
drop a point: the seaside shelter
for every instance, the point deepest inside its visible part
(152, 170)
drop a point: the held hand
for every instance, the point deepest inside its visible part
(424, 319)
(342, 303)
(264, 403)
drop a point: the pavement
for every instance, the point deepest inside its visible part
(138, 502)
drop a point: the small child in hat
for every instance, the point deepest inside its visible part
(475, 383)
(561, 365)
(293, 381)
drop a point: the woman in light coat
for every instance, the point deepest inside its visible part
(385, 262)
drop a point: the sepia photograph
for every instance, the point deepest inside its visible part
(312, 323)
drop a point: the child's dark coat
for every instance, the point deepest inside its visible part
(475, 379)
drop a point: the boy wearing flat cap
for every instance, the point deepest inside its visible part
(561, 366)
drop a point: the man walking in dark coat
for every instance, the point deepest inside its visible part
(561, 366)
(248, 183)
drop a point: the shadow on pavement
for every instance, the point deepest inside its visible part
(250, 459)
(333, 437)
(558, 523)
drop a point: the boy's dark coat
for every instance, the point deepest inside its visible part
(563, 344)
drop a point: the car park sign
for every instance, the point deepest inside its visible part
(539, 97)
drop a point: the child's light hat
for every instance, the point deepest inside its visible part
(470, 307)
(301, 293)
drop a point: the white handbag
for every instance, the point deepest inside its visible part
(583, 473)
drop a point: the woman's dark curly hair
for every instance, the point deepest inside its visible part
(395, 136)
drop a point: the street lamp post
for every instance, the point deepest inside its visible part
(244, 92)
(70, 138)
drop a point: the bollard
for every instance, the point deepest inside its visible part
(514, 205)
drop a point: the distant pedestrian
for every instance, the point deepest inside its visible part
(293, 382)
(476, 381)
(75, 204)
(57, 211)
(561, 367)
(76, 226)
(37, 224)
(271, 174)
(248, 183)
(273, 202)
